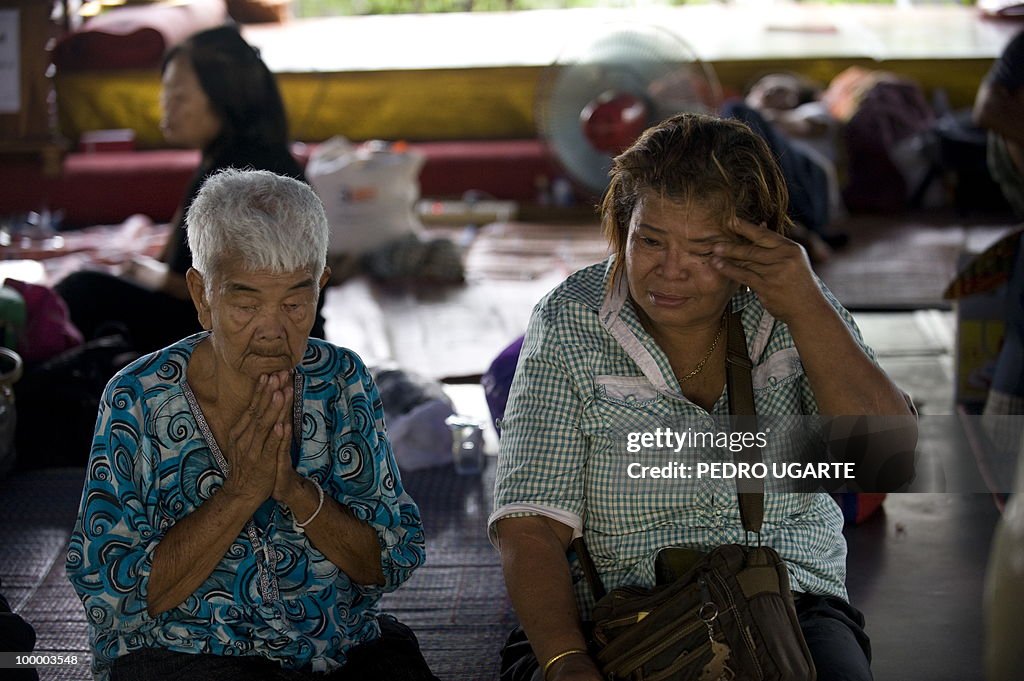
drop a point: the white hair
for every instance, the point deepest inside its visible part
(266, 221)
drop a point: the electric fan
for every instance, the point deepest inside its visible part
(602, 92)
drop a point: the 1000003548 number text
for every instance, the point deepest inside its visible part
(15, 660)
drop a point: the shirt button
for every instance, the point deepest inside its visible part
(772, 381)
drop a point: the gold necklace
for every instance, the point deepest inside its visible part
(700, 365)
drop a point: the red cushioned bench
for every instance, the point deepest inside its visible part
(105, 187)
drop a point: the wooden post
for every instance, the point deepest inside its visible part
(26, 120)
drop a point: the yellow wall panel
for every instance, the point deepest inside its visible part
(110, 99)
(441, 104)
(448, 104)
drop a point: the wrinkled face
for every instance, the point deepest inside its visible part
(668, 268)
(260, 320)
(187, 118)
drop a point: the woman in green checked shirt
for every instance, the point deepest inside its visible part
(696, 216)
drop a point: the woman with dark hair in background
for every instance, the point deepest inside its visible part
(217, 96)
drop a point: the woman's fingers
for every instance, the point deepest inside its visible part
(756, 234)
(261, 399)
(756, 244)
(269, 406)
(276, 413)
(745, 253)
(280, 447)
(268, 420)
(737, 273)
(256, 406)
(261, 436)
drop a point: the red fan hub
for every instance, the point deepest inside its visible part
(612, 121)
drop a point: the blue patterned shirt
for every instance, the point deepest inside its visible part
(588, 376)
(153, 462)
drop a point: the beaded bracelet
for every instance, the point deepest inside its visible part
(319, 505)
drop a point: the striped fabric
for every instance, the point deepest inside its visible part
(588, 376)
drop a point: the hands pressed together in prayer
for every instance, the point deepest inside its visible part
(259, 449)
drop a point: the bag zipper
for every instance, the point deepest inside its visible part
(633, 617)
(637, 659)
(680, 663)
(744, 634)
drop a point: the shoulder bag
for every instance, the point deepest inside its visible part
(724, 615)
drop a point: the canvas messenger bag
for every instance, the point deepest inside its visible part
(725, 615)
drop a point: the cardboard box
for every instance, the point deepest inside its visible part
(979, 336)
(980, 292)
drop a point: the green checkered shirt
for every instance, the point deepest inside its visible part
(589, 375)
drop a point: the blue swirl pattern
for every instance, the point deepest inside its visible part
(150, 467)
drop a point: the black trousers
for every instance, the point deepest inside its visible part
(395, 656)
(833, 628)
(152, 319)
(16, 636)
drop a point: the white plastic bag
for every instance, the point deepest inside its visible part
(368, 192)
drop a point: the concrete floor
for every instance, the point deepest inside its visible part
(916, 569)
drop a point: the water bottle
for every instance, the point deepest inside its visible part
(467, 444)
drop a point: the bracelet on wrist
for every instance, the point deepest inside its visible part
(561, 656)
(319, 505)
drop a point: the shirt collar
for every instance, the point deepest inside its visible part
(622, 322)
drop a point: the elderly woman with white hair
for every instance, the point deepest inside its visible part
(243, 511)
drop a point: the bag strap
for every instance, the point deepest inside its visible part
(587, 565)
(743, 418)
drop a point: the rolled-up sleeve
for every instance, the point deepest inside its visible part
(543, 452)
(111, 549)
(367, 481)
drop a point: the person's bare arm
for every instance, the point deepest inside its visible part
(156, 276)
(189, 552)
(845, 381)
(346, 541)
(847, 384)
(540, 586)
(155, 273)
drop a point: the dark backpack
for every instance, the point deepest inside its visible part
(891, 112)
(963, 154)
(58, 400)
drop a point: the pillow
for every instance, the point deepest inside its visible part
(135, 37)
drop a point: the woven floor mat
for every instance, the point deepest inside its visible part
(456, 603)
(901, 262)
